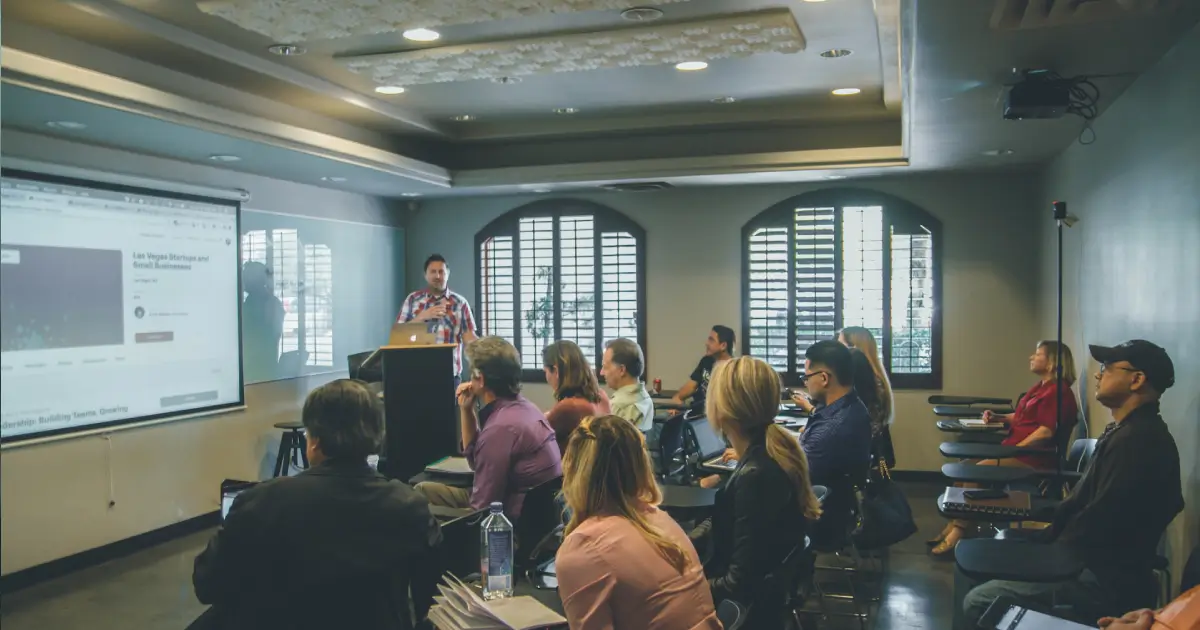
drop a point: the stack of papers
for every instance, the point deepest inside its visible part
(460, 608)
(972, 422)
(450, 466)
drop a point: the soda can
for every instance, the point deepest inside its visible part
(658, 386)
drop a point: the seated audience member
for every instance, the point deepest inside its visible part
(1032, 423)
(837, 438)
(762, 511)
(336, 546)
(623, 562)
(508, 442)
(576, 389)
(1114, 518)
(883, 405)
(717, 347)
(622, 370)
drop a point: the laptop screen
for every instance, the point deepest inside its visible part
(709, 443)
(229, 490)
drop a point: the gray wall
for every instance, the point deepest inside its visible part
(694, 267)
(55, 496)
(1136, 191)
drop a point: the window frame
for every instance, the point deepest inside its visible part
(895, 211)
(606, 220)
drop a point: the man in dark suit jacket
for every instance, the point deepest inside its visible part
(337, 546)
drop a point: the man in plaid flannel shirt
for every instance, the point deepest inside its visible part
(453, 322)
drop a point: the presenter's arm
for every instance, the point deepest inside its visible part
(406, 310)
(468, 324)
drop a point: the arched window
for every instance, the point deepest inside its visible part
(562, 269)
(821, 261)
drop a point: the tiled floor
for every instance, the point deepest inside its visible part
(152, 590)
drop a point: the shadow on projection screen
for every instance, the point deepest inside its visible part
(119, 305)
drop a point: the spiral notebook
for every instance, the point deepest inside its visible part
(1016, 504)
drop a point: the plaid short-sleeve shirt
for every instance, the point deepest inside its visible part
(449, 329)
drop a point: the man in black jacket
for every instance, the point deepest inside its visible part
(337, 546)
(1116, 515)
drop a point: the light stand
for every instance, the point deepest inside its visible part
(1060, 218)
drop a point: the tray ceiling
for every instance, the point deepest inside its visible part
(720, 38)
(292, 21)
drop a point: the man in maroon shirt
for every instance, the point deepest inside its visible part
(508, 443)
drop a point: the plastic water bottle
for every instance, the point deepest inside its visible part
(496, 561)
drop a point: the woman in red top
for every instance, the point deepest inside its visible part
(1033, 423)
(576, 390)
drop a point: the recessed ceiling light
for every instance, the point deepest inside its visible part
(336, 180)
(390, 89)
(565, 110)
(464, 118)
(691, 66)
(724, 100)
(814, 0)
(410, 194)
(540, 190)
(65, 124)
(835, 177)
(846, 91)
(998, 152)
(422, 35)
(506, 80)
(221, 157)
(834, 53)
(641, 14)
(287, 50)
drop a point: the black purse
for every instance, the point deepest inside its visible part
(885, 518)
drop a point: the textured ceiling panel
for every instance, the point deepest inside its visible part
(308, 20)
(737, 36)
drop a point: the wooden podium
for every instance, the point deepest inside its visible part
(419, 407)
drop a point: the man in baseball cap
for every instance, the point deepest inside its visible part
(1117, 513)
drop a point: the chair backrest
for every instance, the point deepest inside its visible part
(1086, 448)
(539, 514)
(354, 363)
(731, 614)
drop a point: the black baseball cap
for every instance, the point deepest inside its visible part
(1144, 356)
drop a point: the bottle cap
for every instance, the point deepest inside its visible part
(497, 506)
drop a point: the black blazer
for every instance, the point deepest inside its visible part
(334, 547)
(757, 520)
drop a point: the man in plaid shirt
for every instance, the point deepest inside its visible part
(453, 322)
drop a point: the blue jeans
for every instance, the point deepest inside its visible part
(1084, 594)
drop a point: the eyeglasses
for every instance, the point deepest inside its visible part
(1104, 367)
(807, 375)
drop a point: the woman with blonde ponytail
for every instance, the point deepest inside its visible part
(623, 562)
(763, 510)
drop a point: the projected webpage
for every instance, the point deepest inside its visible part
(116, 306)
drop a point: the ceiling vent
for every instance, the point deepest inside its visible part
(1027, 14)
(637, 186)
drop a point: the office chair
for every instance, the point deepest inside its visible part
(540, 515)
(731, 614)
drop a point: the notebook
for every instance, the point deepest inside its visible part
(460, 608)
(972, 422)
(450, 466)
(1016, 504)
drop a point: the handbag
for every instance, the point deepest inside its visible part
(885, 517)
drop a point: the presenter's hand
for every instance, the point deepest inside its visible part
(465, 395)
(436, 311)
